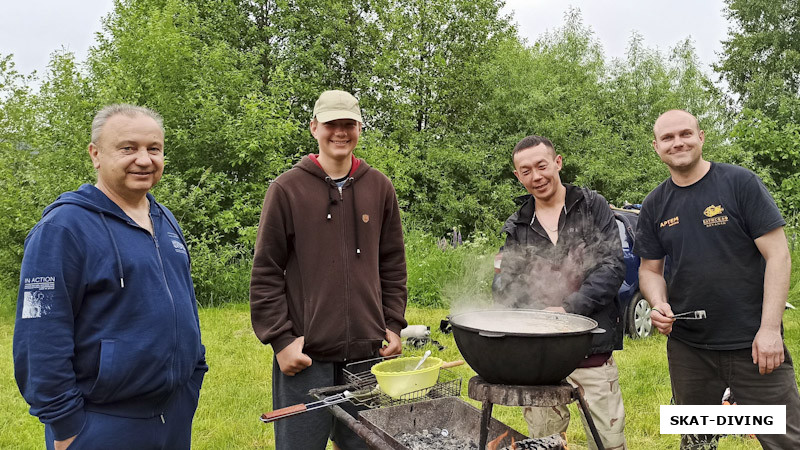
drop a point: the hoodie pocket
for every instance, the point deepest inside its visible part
(102, 388)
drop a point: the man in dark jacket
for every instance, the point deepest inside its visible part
(329, 274)
(107, 344)
(563, 253)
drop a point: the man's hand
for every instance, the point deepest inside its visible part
(767, 350)
(394, 346)
(62, 445)
(768, 345)
(291, 359)
(661, 316)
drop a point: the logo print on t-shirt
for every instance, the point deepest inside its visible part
(365, 218)
(713, 210)
(714, 219)
(671, 222)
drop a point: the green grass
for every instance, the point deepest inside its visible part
(237, 388)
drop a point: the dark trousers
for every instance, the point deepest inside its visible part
(311, 430)
(104, 431)
(699, 377)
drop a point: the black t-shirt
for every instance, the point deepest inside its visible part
(708, 230)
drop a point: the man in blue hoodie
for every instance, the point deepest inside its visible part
(107, 347)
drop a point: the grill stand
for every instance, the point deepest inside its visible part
(499, 394)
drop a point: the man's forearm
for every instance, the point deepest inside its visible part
(776, 291)
(653, 287)
(775, 250)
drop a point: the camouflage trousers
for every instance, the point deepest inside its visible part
(604, 399)
(699, 441)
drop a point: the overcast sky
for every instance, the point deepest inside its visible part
(33, 29)
(662, 24)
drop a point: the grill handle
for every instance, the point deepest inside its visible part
(283, 412)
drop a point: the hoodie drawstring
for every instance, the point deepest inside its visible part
(331, 200)
(355, 214)
(116, 251)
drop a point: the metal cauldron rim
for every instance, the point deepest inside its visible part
(573, 317)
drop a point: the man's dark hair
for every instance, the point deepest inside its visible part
(532, 141)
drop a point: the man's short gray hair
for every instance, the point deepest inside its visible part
(110, 111)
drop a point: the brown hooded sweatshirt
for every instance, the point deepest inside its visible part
(329, 264)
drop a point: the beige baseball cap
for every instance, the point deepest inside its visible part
(333, 105)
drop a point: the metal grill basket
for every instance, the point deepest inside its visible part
(359, 374)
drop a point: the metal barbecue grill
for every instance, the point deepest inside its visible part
(362, 390)
(440, 408)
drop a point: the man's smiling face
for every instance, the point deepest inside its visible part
(678, 140)
(337, 138)
(537, 168)
(129, 155)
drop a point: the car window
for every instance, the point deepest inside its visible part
(622, 236)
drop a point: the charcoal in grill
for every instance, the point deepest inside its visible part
(434, 440)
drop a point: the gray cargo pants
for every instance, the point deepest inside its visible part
(311, 430)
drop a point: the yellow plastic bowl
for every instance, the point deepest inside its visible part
(397, 377)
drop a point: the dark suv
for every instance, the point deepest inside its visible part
(635, 310)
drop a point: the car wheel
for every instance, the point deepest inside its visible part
(639, 324)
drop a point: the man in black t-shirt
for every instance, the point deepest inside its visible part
(729, 257)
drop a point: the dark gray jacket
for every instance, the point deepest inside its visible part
(581, 273)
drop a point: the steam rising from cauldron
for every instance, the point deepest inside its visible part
(531, 280)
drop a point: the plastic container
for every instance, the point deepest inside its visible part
(397, 377)
(415, 331)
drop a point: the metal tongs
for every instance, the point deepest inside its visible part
(688, 315)
(303, 407)
(691, 315)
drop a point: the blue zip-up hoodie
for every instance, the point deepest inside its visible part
(106, 313)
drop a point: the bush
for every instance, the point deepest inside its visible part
(439, 275)
(221, 273)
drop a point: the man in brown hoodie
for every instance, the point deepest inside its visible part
(329, 276)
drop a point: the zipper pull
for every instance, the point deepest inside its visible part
(340, 194)
(162, 418)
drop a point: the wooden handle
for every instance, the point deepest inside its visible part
(450, 364)
(279, 413)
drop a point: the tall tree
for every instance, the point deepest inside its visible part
(43, 143)
(225, 134)
(761, 57)
(761, 64)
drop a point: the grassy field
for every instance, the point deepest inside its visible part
(237, 388)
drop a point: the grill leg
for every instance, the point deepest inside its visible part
(486, 417)
(589, 420)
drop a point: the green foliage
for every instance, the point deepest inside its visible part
(599, 115)
(446, 86)
(41, 150)
(440, 275)
(774, 149)
(761, 64)
(640, 88)
(221, 274)
(761, 57)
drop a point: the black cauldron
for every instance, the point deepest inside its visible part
(523, 346)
